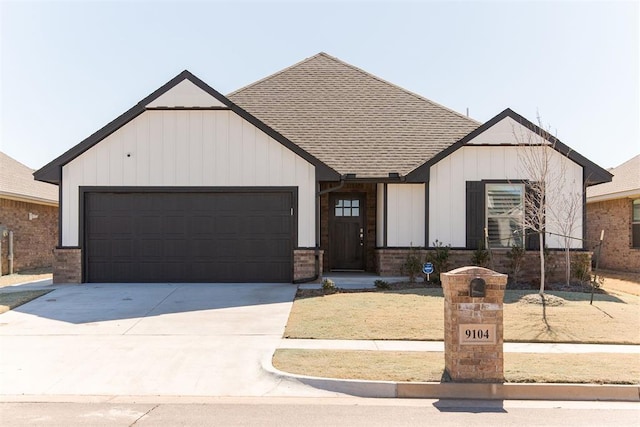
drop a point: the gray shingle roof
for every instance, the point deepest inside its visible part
(17, 182)
(351, 120)
(625, 182)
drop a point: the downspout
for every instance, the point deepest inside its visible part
(10, 254)
(318, 231)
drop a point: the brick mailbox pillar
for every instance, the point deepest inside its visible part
(473, 324)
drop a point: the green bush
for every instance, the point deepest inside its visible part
(412, 266)
(328, 285)
(481, 256)
(516, 258)
(439, 257)
(382, 284)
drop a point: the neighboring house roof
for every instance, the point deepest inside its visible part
(351, 120)
(52, 172)
(17, 183)
(625, 183)
(593, 174)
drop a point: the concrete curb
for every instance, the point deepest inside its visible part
(506, 391)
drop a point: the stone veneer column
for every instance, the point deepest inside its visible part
(67, 265)
(304, 263)
(473, 326)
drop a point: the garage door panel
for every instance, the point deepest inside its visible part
(148, 248)
(189, 237)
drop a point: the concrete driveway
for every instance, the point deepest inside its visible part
(148, 339)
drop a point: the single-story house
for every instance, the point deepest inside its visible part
(319, 167)
(28, 218)
(614, 207)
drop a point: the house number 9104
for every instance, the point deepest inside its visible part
(476, 334)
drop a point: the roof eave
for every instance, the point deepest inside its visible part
(28, 199)
(628, 194)
(593, 174)
(52, 172)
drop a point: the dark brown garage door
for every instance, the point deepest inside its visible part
(188, 236)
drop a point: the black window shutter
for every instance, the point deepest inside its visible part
(532, 241)
(475, 214)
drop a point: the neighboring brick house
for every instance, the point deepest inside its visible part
(29, 210)
(319, 167)
(615, 208)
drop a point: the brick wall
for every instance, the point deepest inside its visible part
(370, 193)
(614, 217)
(389, 263)
(304, 263)
(67, 267)
(33, 240)
(481, 361)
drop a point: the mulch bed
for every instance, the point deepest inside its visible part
(573, 287)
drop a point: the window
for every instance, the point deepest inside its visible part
(635, 224)
(347, 207)
(505, 215)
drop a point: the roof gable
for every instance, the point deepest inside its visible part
(185, 88)
(499, 131)
(186, 95)
(353, 121)
(625, 182)
(17, 183)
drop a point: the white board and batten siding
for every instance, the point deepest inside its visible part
(405, 215)
(199, 148)
(447, 191)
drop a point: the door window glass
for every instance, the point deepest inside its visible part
(347, 207)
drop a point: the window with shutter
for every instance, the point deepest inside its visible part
(505, 215)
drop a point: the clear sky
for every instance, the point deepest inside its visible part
(69, 68)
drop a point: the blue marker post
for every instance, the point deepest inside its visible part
(427, 268)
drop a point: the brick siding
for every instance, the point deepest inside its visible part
(614, 217)
(304, 263)
(473, 362)
(33, 240)
(389, 263)
(67, 267)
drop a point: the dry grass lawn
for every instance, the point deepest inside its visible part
(11, 300)
(25, 276)
(594, 368)
(417, 314)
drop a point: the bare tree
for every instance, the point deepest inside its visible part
(549, 200)
(565, 216)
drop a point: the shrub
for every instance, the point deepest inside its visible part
(516, 258)
(382, 284)
(480, 256)
(412, 266)
(580, 268)
(439, 257)
(328, 285)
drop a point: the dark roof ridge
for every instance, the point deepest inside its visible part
(407, 91)
(361, 71)
(277, 73)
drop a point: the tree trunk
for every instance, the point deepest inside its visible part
(567, 264)
(542, 278)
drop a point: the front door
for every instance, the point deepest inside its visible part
(346, 231)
